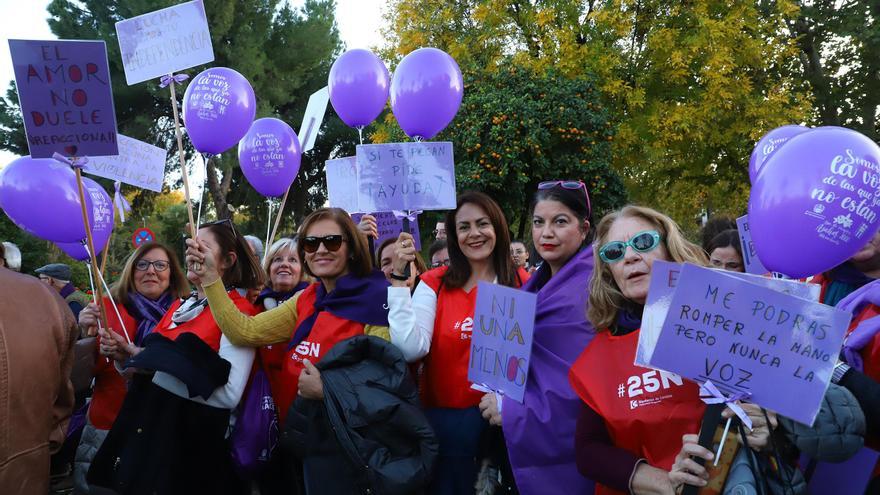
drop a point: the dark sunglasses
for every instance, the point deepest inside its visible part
(331, 242)
(643, 242)
(159, 265)
(226, 221)
(567, 184)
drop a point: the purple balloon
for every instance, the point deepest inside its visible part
(358, 86)
(426, 91)
(218, 108)
(41, 197)
(269, 155)
(101, 221)
(769, 144)
(816, 201)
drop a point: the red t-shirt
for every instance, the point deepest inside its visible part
(327, 331)
(444, 378)
(646, 411)
(109, 390)
(202, 325)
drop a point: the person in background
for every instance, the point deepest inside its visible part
(385, 258)
(713, 227)
(725, 251)
(858, 271)
(538, 432)
(436, 322)
(643, 450)
(151, 281)
(520, 254)
(11, 256)
(438, 253)
(57, 276)
(36, 395)
(171, 433)
(256, 246)
(440, 231)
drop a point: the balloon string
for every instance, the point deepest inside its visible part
(361, 133)
(109, 296)
(268, 229)
(205, 158)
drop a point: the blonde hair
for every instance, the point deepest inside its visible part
(278, 246)
(605, 296)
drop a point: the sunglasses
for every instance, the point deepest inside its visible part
(331, 242)
(158, 265)
(567, 184)
(643, 242)
(226, 221)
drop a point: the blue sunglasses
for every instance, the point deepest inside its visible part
(643, 242)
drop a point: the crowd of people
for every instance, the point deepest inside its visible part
(331, 368)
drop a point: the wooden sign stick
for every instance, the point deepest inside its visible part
(99, 291)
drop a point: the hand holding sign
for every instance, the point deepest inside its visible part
(218, 108)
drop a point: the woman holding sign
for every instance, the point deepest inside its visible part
(631, 428)
(437, 320)
(539, 430)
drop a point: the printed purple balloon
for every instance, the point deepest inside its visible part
(269, 155)
(816, 201)
(40, 196)
(426, 91)
(769, 144)
(218, 109)
(101, 221)
(358, 85)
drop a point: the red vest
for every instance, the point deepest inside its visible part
(646, 411)
(326, 332)
(870, 356)
(202, 325)
(109, 390)
(444, 378)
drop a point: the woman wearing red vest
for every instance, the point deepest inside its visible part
(169, 436)
(150, 281)
(634, 420)
(437, 321)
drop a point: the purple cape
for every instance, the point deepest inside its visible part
(540, 431)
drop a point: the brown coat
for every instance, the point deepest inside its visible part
(37, 334)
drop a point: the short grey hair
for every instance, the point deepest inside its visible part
(256, 244)
(12, 256)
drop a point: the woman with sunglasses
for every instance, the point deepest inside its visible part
(646, 448)
(170, 435)
(150, 282)
(437, 321)
(538, 432)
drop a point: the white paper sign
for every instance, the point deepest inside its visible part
(750, 255)
(342, 188)
(138, 164)
(314, 116)
(164, 41)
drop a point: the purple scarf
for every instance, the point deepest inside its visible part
(867, 329)
(540, 431)
(280, 297)
(147, 313)
(360, 299)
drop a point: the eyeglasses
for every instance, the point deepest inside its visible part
(643, 242)
(567, 184)
(158, 265)
(438, 264)
(225, 221)
(331, 242)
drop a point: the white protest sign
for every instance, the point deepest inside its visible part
(342, 183)
(314, 116)
(165, 41)
(138, 164)
(406, 176)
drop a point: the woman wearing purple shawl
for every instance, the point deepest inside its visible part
(539, 432)
(150, 281)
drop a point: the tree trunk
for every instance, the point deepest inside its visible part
(811, 51)
(219, 189)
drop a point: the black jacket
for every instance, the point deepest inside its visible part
(164, 444)
(369, 434)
